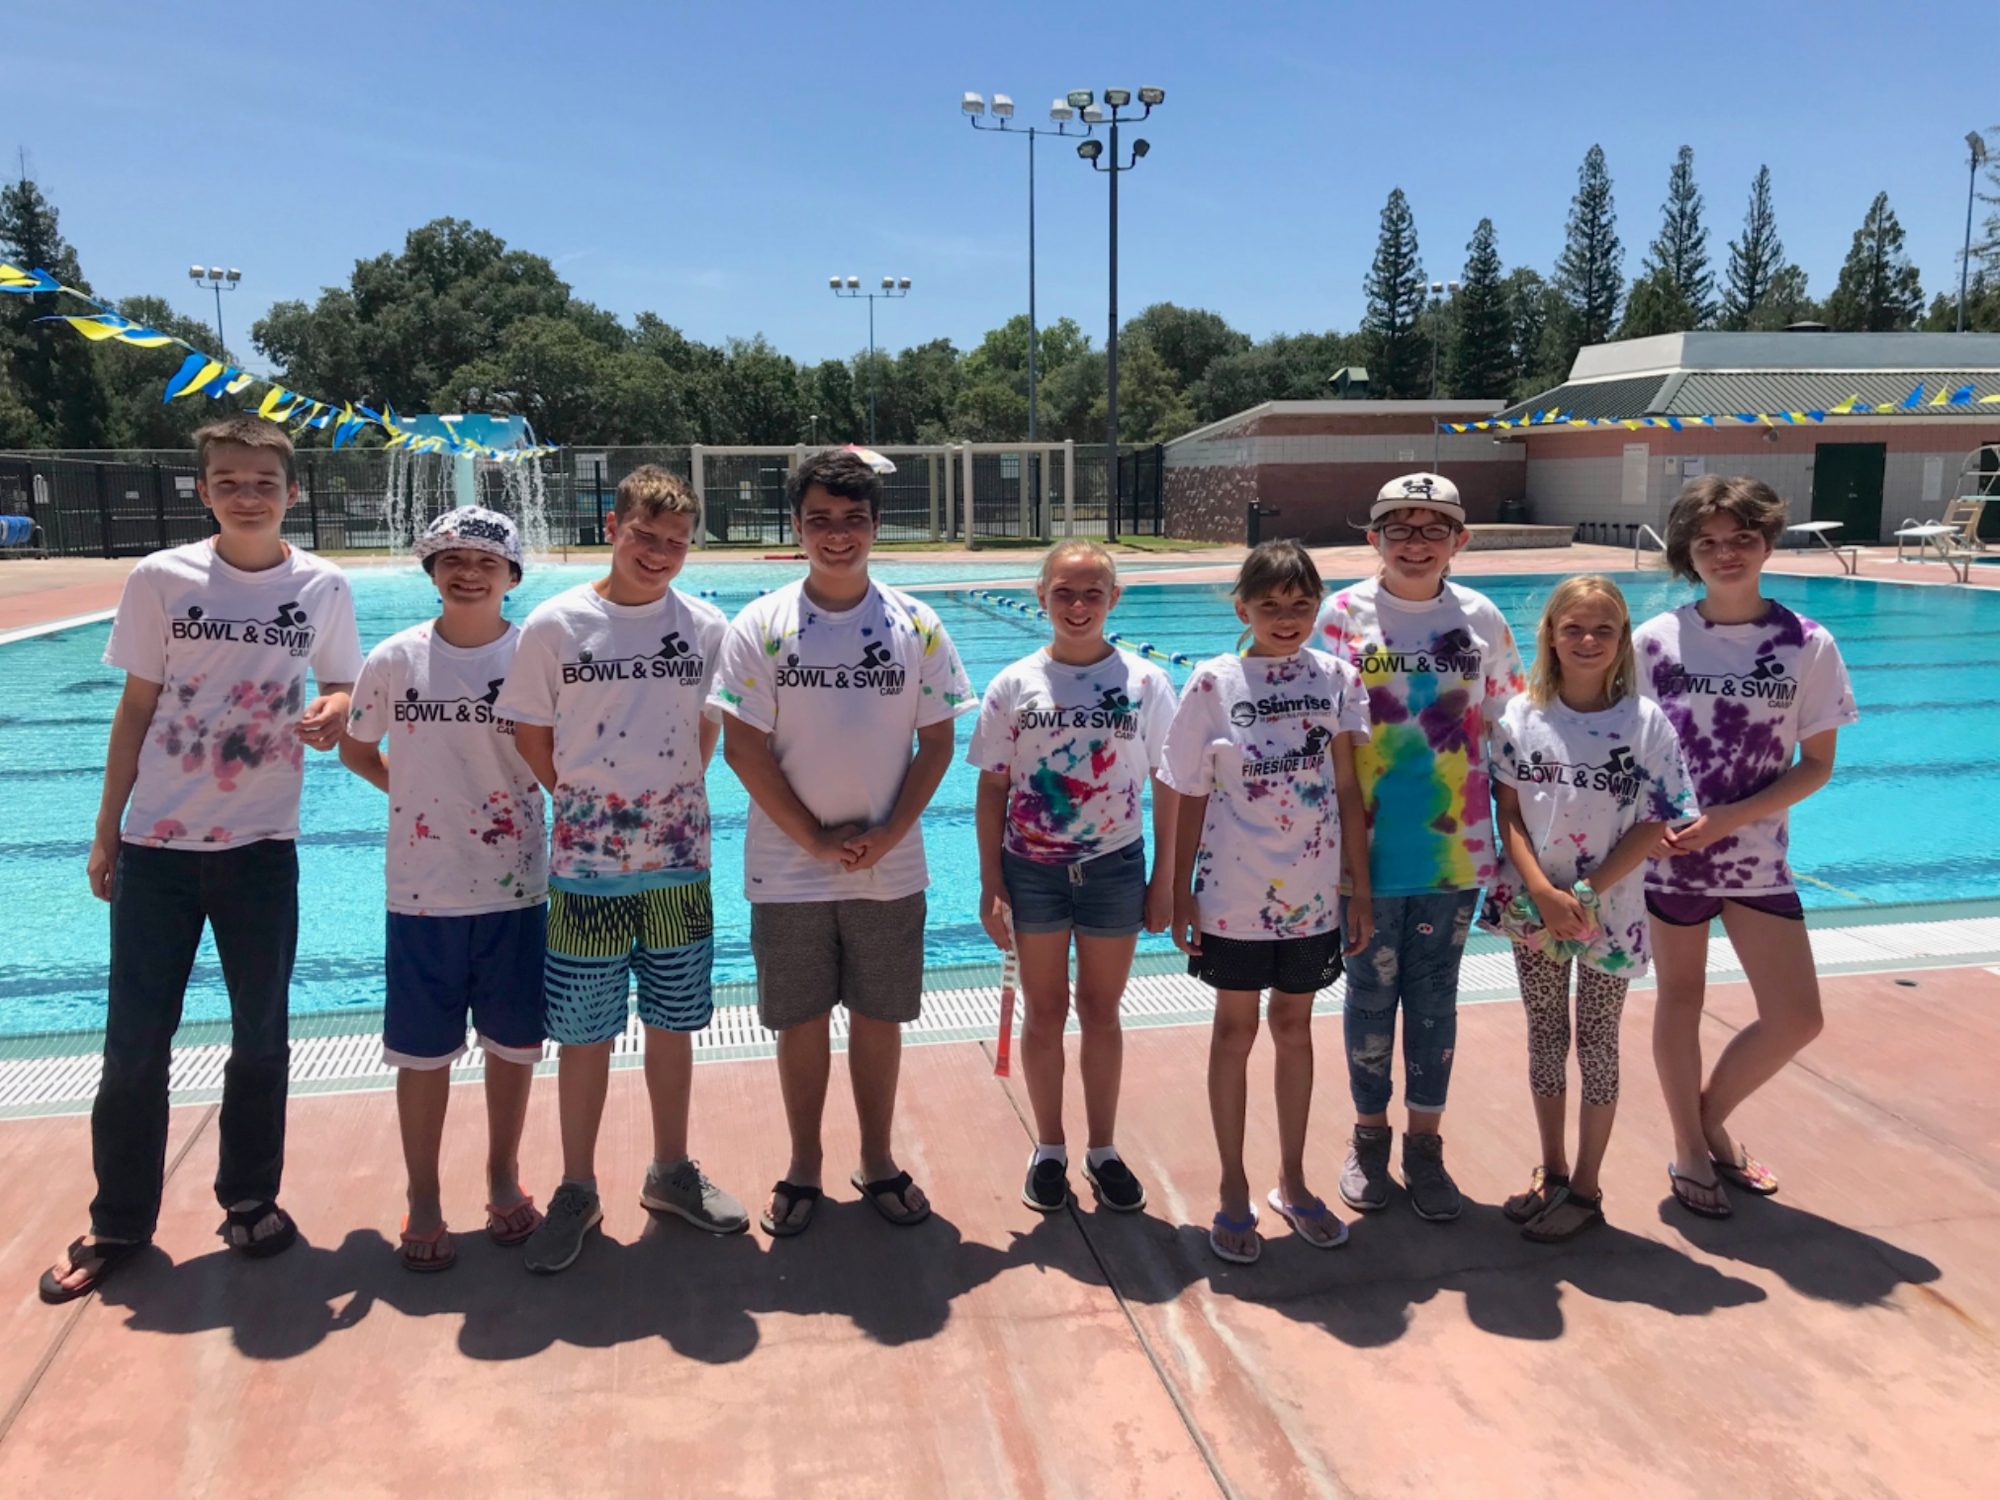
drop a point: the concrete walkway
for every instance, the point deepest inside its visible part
(1838, 1340)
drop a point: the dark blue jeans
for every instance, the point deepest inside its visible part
(1412, 961)
(160, 899)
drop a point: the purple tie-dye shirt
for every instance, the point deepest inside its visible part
(1741, 697)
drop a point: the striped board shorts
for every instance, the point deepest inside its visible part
(595, 943)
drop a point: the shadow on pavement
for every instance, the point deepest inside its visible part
(1816, 1257)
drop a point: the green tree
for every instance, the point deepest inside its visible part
(1658, 304)
(1187, 339)
(545, 369)
(1399, 353)
(757, 396)
(55, 374)
(1878, 291)
(1755, 259)
(1786, 301)
(1541, 316)
(1680, 250)
(1284, 367)
(1589, 274)
(134, 378)
(1482, 364)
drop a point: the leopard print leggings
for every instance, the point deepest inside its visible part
(1600, 1001)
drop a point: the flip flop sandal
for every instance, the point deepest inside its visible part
(513, 1226)
(892, 1187)
(1541, 1193)
(1685, 1189)
(107, 1255)
(1245, 1225)
(1315, 1213)
(1589, 1212)
(781, 1226)
(1749, 1173)
(443, 1253)
(239, 1231)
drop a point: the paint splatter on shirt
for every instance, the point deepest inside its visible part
(1253, 734)
(1741, 697)
(465, 813)
(1076, 745)
(1438, 674)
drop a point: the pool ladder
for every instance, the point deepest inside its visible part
(1642, 559)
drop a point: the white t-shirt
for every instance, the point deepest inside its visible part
(222, 763)
(1438, 672)
(625, 686)
(465, 812)
(1076, 745)
(1585, 781)
(842, 696)
(1252, 735)
(1741, 697)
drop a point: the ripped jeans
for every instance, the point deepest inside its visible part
(1412, 960)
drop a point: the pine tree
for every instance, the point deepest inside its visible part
(1482, 348)
(1754, 259)
(1589, 273)
(1657, 305)
(1399, 353)
(1681, 250)
(1541, 317)
(1878, 291)
(54, 372)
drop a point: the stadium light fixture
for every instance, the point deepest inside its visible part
(892, 286)
(1003, 107)
(972, 104)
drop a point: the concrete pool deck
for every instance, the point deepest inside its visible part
(1837, 1340)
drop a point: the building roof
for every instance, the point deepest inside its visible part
(1718, 374)
(1444, 411)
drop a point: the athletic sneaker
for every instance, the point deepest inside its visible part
(573, 1212)
(1364, 1180)
(684, 1189)
(1047, 1187)
(1116, 1187)
(1432, 1192)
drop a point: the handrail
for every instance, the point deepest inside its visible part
(1639, 536)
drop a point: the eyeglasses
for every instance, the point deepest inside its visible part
(1397, 531)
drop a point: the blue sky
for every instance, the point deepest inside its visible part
(715, 164)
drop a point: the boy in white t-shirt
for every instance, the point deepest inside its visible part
(468, 871)
(215, 639)
(840, 696)
(608, 693)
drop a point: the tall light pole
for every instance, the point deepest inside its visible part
(892, 286)
(217, 280)
(1438, 290)
(1093, 152)
(1977, 143)
(1062, 113)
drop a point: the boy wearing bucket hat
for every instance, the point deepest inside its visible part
(1440, 665)
(467, 872)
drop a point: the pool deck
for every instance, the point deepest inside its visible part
(1837, 1340)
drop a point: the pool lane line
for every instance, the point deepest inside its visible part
(1838, 891)
(50, 627)
(1036, 612)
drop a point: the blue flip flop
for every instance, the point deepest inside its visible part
(1245, 1225)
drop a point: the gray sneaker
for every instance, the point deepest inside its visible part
(683, 1189)
(1364, 1181)
(573, 1212)
(1432, 1192)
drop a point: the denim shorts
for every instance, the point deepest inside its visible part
(1103, 897)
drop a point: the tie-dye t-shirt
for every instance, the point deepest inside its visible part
(1076, 745)
(625, 686)
(842, 694)
(1438, 674)
(222, 763)
(465, 812)
(1741, 698)
(1252, 735)
(1585, 781)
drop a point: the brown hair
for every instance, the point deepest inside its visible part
(244, 430)
(1753, 504)
(1080, 547)
(1545, 681)
(655, 492)
(842, 473)
(1273, 567)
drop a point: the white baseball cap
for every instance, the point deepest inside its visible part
(1428, 491)
(472, 528)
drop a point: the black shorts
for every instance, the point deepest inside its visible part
(1294, 966)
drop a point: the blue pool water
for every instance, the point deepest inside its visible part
(1896, 825)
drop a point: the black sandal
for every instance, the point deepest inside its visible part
(780, 1226)
(109, 1256)
(239, 1231)
(892, 1187)
(1541, 1229)
(1541, 1195)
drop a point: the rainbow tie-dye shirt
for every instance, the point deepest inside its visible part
(1438, 675)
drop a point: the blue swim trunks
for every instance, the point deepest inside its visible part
(596, 942)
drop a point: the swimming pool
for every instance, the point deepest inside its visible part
(1895, 825)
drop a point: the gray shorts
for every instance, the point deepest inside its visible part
(814, 955)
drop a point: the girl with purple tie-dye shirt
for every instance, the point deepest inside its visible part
(1758, 696)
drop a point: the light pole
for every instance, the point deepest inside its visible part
(1977, 143)
(1093, 152)
(1438, 290)
(1062, 113)
(217, 280)
(892, 286)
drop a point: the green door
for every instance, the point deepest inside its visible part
(1847, 487)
